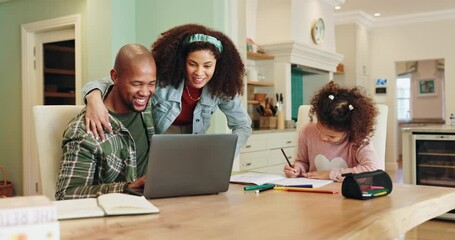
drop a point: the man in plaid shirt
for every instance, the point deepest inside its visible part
(91, 167)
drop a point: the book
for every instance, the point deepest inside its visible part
(279, 180)
(26, 210)
(105, 205)
(39, 231)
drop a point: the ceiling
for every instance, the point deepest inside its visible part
(395, 8)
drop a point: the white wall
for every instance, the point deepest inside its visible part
(346, 45)
(424, 40)
(427, 107)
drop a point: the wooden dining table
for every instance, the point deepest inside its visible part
(273, 214)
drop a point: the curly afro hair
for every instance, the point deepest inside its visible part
(345, 110)
(172, 48)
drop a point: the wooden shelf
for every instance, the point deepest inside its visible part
(58, 48)
(59, 71)
(251, 101)
(435, 166)
(59, 94)
(436, 154)
(258, 56)
(257, 83)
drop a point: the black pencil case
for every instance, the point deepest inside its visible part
(366, 185)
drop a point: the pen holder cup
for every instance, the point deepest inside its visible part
(366, 185)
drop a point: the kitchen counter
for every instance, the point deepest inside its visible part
(261, 131)
(430, 128)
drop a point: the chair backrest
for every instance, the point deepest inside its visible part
(50, 123)
(378, 139)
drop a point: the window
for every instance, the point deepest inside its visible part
(404, 97)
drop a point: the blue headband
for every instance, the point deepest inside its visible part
(199, 37)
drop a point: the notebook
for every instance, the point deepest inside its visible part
(189, 164)
(279, 180)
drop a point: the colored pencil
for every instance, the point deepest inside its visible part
(297, 189)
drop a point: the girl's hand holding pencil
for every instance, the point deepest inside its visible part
(291, 171)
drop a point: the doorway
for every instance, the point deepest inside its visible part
(58, 75)
(35, 87)
(419, 95)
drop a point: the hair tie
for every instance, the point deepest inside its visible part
(331, 97)
(351, 107)
(199, 37)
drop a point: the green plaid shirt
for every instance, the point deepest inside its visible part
(93, 167)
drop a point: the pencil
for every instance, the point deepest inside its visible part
(287, 159)
(296, 189)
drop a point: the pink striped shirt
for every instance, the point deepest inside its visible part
(338, 158)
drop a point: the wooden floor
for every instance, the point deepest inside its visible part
(433, 229)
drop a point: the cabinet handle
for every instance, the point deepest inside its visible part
(289, 157)
(247, 146)
(246, 164)
(288, 142)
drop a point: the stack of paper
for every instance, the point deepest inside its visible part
(31, 217)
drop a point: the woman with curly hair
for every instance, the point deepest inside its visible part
(338, 141)
(198, 71)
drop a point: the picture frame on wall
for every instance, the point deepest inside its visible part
(427, 87)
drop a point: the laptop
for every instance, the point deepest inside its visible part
(189, 164)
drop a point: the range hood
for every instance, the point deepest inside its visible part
(304, 55)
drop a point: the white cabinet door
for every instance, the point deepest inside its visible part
(277, 157)
(262, 152)
(252, 160)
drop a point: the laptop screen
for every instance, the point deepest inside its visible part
(189, 164)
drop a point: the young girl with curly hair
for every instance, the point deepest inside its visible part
(198, 71)
(338, 140)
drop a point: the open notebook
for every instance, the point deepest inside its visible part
(105, 205)
(279, 180)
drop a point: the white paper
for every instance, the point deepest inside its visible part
(78, 208)
(263, 178)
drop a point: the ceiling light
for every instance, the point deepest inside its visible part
(337, 7)
(377, 14)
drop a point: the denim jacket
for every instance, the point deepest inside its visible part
(166, 105)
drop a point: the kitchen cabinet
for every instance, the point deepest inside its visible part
(262, 152)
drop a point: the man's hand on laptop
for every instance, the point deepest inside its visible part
(139, 183)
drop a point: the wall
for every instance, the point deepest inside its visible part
(112, 24)
(155, 16)
(346, 45)
(352, 41)
(292, 20)
(430, 106)
(423, 40)
(99, 39)
(12, 15)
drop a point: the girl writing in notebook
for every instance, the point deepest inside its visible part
(338, 140)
